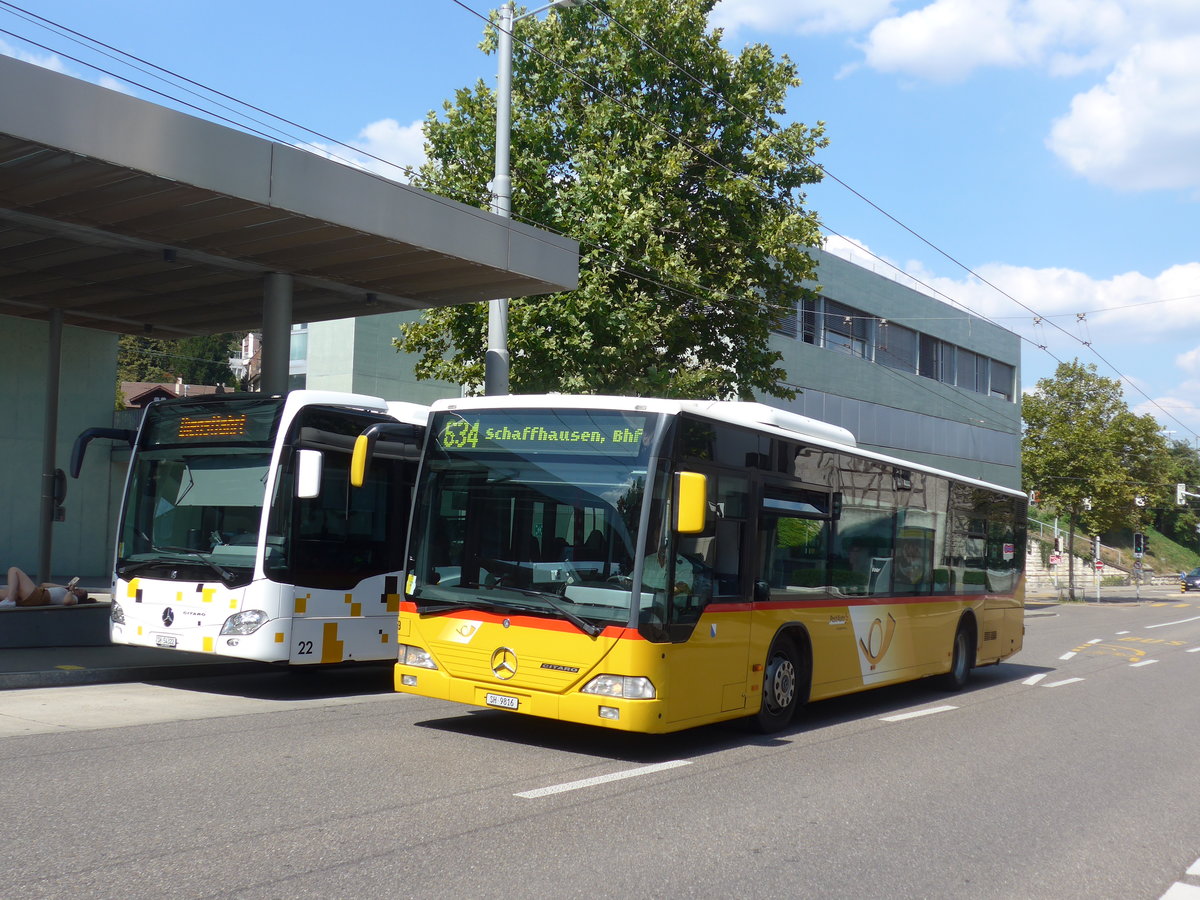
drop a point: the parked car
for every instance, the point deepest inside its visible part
(1190, 581)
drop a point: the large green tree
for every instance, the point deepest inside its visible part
(637, 134)
(1089, 457)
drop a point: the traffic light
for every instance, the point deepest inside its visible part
(1057, 544)
(1139, 543)
(1181, 494)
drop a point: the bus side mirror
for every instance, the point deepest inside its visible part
(358, 462)
(308, 474)
(691, 502)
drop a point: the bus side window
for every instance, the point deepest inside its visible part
(794, 532)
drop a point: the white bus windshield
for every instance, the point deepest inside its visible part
(196, 490)
(531, 511)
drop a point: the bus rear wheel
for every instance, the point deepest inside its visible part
(781, 687)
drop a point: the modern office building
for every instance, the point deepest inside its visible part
(908, 374)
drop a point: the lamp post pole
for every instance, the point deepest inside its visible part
(495, 364)
(496, 361)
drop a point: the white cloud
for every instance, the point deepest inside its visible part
(947, 39)
(386, 148)
(1140, 129)
(799, 16)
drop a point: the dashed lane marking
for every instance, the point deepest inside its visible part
(1064, 681)
(918, 713)
(1181, 891)
(602, 779)
(1144, 662)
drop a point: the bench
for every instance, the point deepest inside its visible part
(82, 625)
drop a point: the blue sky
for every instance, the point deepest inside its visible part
(1052, 147)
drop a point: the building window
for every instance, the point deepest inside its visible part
(845, 329)
(897, 347)
(1001, 384)
(787, 322)
(808, 320)
(930, 356)
(947, 364)
(966, 369)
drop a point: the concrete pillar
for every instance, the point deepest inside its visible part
(276, 332)
(49, 445)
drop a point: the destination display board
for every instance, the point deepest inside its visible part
(610, 433)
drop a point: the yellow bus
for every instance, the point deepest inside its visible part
(653, 565)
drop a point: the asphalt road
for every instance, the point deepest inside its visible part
(1068, 772)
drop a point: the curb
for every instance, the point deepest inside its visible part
(67, 677)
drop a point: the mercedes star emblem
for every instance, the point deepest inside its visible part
(504, 663)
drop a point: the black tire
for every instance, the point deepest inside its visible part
(960, 661)
(781, 687)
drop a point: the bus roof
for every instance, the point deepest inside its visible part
(410, 413)
(759, 416)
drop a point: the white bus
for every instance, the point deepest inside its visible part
(239, 534)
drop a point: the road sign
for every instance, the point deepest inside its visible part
(1055, 559)
(1099, 564)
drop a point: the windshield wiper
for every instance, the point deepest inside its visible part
(591, 629)
(222, 572)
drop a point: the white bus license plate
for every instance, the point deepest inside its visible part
(501, 701)
(165, 640)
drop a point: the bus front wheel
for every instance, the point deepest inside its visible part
(781, 687)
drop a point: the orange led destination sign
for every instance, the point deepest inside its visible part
(212, 426)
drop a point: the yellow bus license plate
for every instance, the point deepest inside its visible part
(501, 701)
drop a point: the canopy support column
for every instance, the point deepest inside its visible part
(277, 332)
(49, 445)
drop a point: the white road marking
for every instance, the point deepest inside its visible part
(1194, 868)
(1181, 891)
(1122, 632)
(1067, 655)
(1144, 662)
(1034, 679)
(1064, 681)
(1193, 650)
(918, 713)
(1177, 622)
(1095, 640)
(602, 779)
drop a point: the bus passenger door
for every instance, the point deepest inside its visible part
(710, 622)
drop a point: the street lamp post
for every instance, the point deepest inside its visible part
(496, 361)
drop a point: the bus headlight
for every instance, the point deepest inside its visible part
(246, 622)
(631, 687)
(116, 614)
(415, 656)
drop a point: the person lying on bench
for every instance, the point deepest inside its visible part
(21, 591)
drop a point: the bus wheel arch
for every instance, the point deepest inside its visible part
(787, 679)
(962, 654)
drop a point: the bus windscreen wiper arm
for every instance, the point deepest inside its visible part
(225, 574)
(555, 600)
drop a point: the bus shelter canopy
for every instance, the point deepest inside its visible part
(131, 217)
